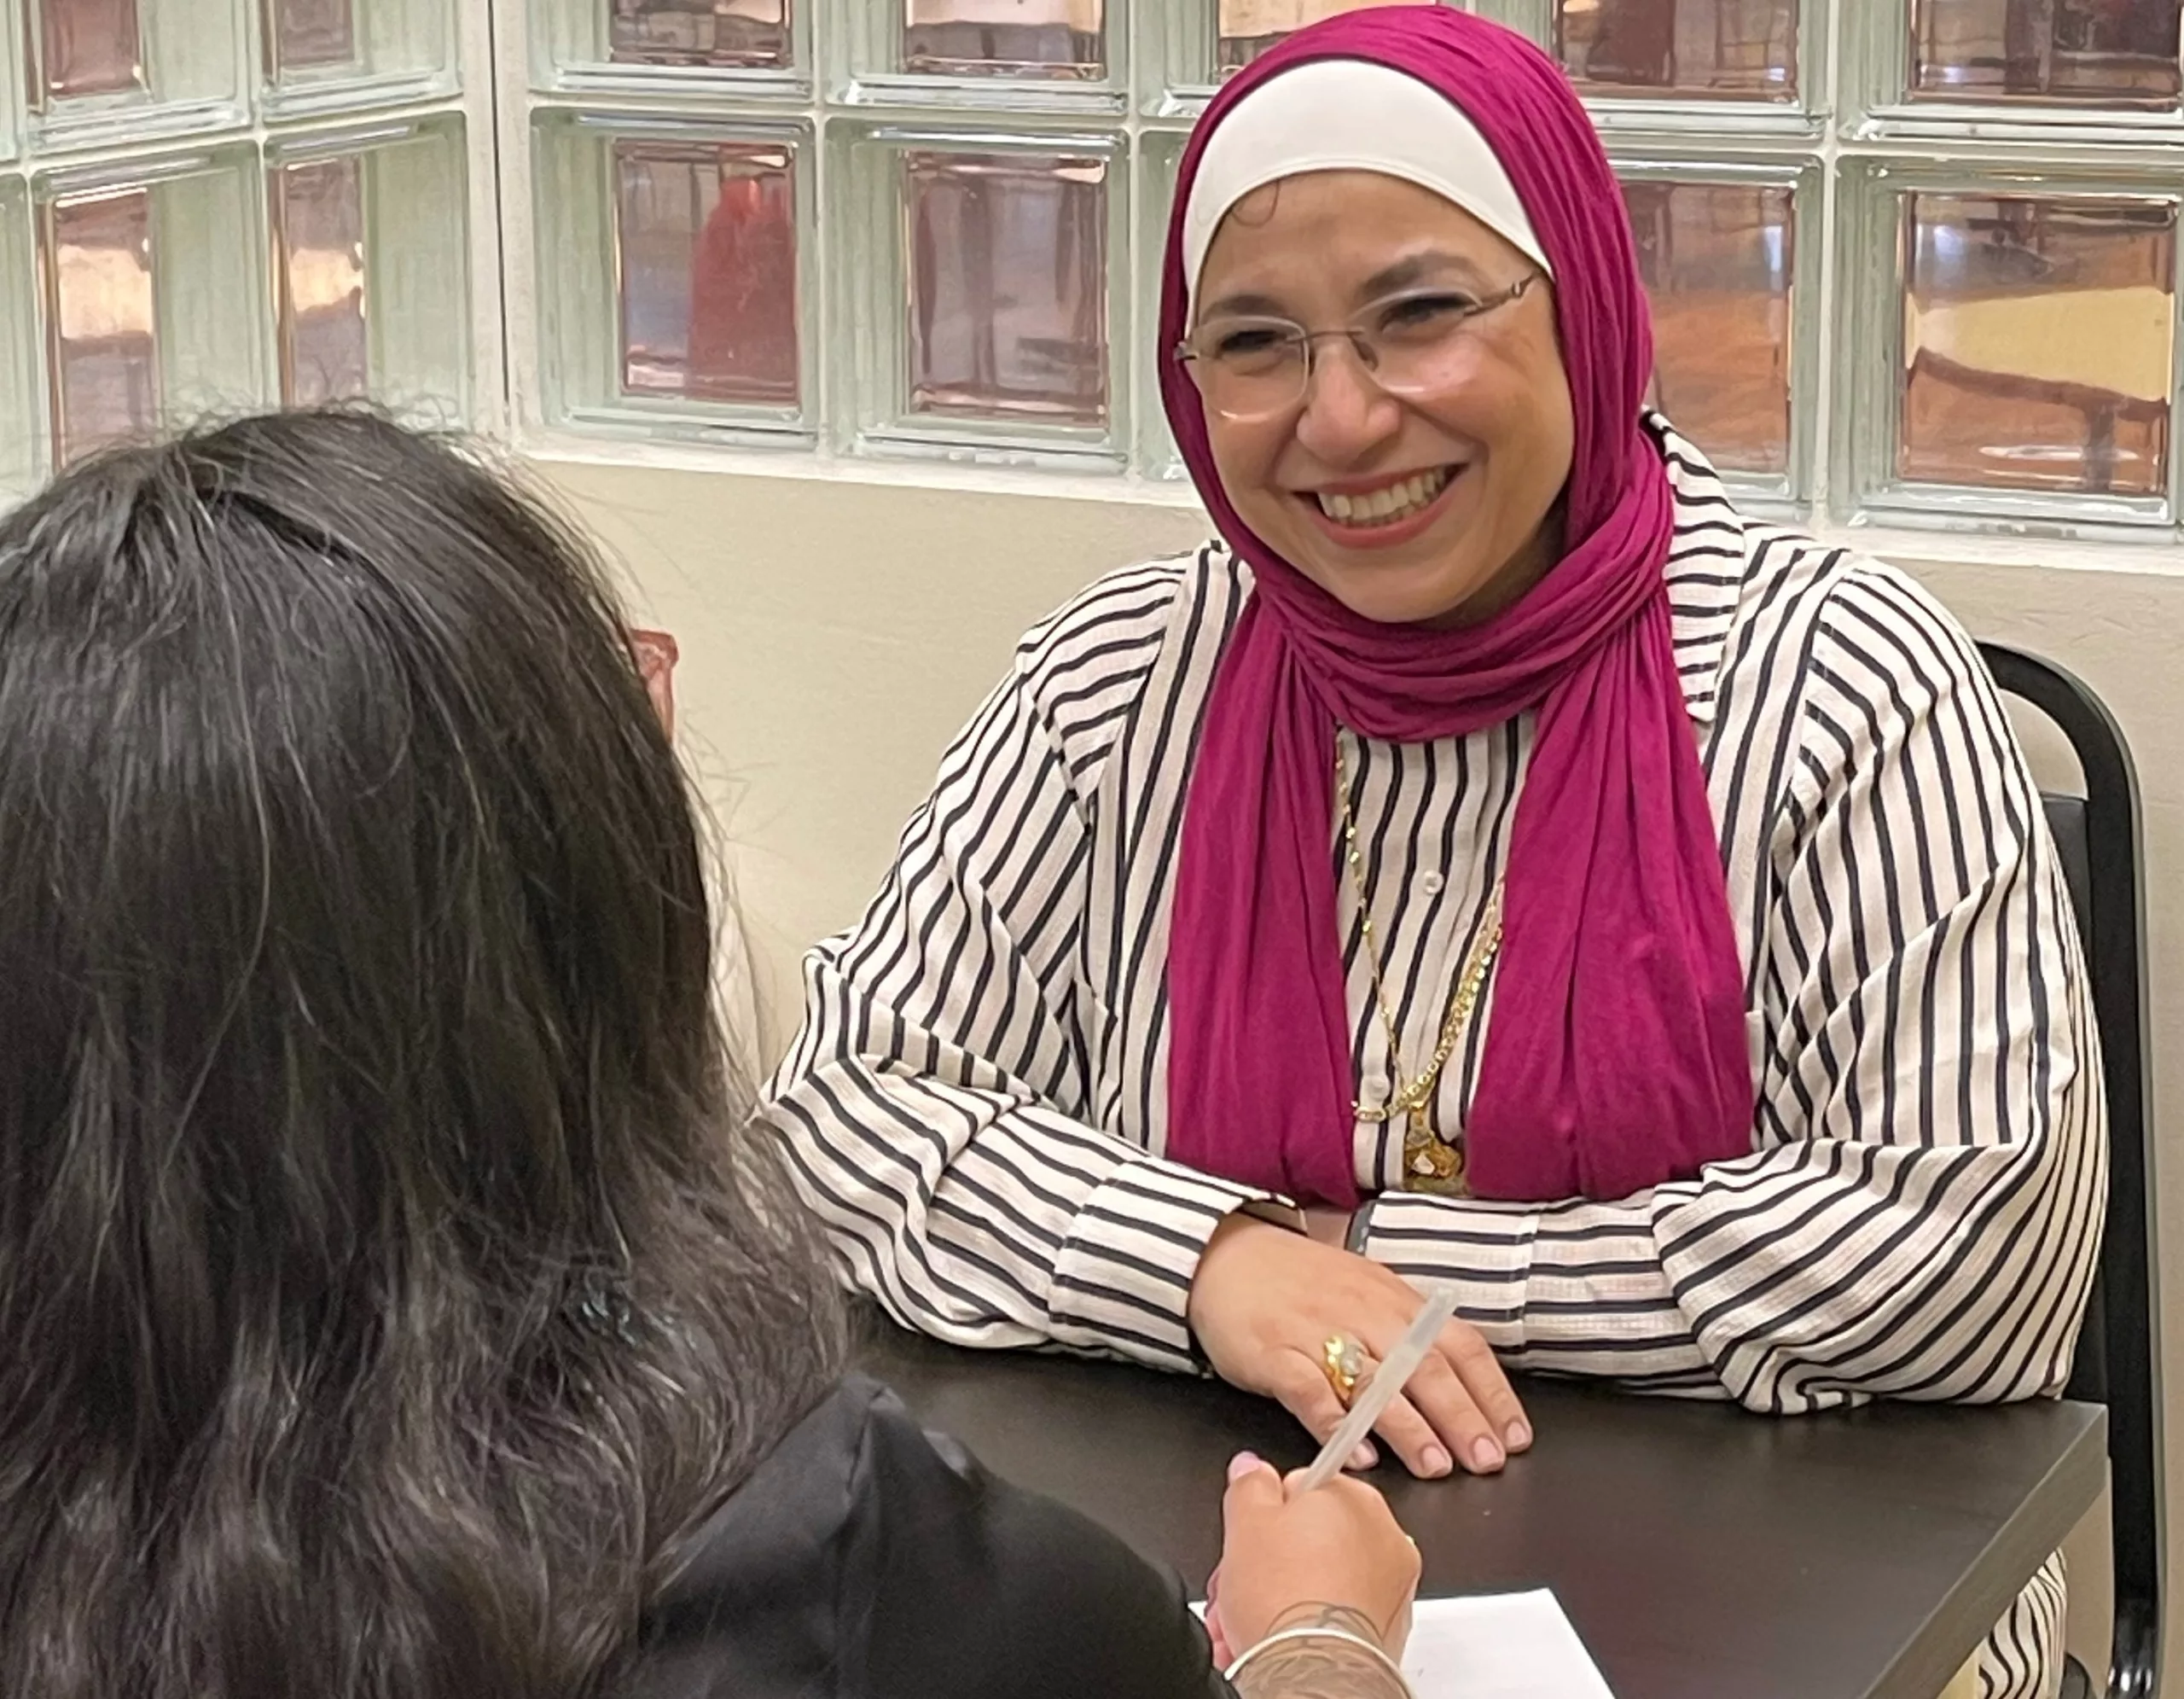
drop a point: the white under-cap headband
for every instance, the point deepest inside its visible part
(1350, 114)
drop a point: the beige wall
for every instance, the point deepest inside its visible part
(835, 634)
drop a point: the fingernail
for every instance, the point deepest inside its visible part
(1242, 1464)
(1364, 1457)
(1486, 1454)
(1437, 1462)
(1519, 1436)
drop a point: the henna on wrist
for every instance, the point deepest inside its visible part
(1320, 1651)
(1342, 1619)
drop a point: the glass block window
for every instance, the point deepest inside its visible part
(369, 245)
(1244, 29)
(706, 239)
(878, 228)
(2022, 347)
(682, 303)
(103, 70)
(25, 427)
(743, 33)
(311, 35)
(211, 205)
(2112, 64)
(88, 47)
(981, 38)
(328, 56)
(1737, 49)
(1007, 286)
(102, 320)
(2098, 52)
(1721, 261)
(2038, 341)
(983, 320)
(318, 224)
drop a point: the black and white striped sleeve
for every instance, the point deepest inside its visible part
(1920, 1215)
(934, 1108)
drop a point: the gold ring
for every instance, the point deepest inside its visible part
(1342, 1359)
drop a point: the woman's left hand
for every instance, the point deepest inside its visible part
(1266, 1300)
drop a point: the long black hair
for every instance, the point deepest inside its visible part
(386, 1284)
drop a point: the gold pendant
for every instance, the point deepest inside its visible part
(1431, 1164)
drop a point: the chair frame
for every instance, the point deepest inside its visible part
(2127, 1364)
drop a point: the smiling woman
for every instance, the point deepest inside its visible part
(1496, 852)
(1453, 392)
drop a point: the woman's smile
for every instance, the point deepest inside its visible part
(1385, 513)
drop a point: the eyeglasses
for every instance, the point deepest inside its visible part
(1250, 369)
(655, 654)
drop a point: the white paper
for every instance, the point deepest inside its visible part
(1499, 1646)
(1496, 1646)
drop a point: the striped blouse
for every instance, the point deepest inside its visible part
(977, 1104)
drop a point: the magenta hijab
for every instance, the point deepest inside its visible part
(1616, 1056)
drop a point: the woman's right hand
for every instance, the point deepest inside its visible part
(1333, 1557)
(1262, 1304)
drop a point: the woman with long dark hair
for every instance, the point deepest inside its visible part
(391, 1309)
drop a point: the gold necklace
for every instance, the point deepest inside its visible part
(1430, 1162)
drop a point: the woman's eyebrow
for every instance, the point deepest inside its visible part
(1417, 268)
(1244, 306)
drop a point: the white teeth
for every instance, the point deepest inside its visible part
(1385, 507)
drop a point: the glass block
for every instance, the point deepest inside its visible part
(745, 34)
(1006, 306)
(673, 276)
(371, 247)
(1719, 260)
(1065, 39)
(102, 322)
(1189, 48)
(311, 35)
(13, 81)
(89, 47)
(985, 329)
(1008, 56)
(105, 71)
(1159, 160)
(2038, 342)
(153, 300)
(331, 53)
(1244, 29)
(1709, 50)
(318, 234)
(372, 262)
(705, 237)
(657, 46)
(2094, 52)
(24, 424)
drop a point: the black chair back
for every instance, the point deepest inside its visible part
(2118, 1354)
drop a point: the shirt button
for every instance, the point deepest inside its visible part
(1432, 884)
(1376, 1087)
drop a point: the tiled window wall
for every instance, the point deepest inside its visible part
(212, 205)
(1910, 260)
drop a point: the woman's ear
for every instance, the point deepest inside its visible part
(656, 653)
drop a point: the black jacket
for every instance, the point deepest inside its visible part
(867, 1559)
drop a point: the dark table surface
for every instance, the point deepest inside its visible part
(1698, 1550)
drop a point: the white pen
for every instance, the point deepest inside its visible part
(1379, 1391)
